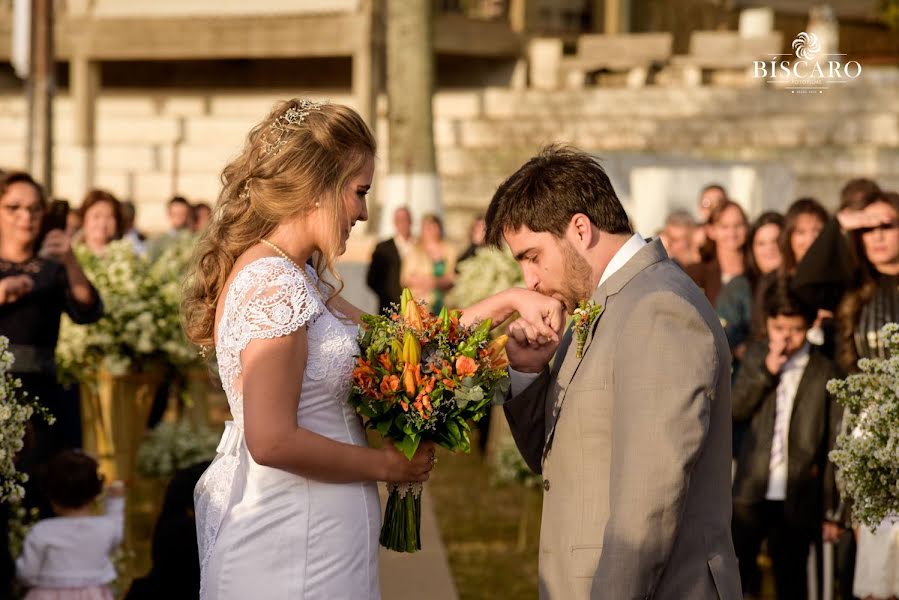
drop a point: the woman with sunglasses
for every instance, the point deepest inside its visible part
(36, 286)
(865, 309)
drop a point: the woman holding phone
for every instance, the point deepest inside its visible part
(38, 284)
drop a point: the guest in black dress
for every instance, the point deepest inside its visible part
(36, 287)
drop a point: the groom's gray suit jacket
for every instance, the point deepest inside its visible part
(634, 443)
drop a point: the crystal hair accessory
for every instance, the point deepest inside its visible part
(277, 131)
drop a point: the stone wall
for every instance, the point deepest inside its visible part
(152, 144)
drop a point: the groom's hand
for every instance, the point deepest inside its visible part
(530, 349)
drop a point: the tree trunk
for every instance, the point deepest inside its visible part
(411, 173)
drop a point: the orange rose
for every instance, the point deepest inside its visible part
(465, 366)
(390, 385)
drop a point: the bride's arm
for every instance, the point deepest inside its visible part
(348, 309)
(272, 389)
(543, 315)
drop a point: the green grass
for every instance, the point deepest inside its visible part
(480, 524)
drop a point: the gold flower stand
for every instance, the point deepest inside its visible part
(114, 413)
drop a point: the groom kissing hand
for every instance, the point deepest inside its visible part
(630, 424)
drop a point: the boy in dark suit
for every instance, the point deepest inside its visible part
(784, 482)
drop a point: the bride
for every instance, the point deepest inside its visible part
(290, 508)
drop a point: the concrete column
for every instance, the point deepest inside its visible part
(617, 16)
(85, 87)
(365, 72)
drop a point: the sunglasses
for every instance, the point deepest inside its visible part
(882, 227)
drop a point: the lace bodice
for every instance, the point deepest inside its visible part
(271, 298)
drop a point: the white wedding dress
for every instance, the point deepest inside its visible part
(267, 534)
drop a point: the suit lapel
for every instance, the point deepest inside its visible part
(648, 255)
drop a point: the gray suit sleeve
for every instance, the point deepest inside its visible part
(526, 414)
(666, 370)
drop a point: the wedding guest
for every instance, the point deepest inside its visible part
(383, 275)
(710, 197)
(865, 309)
(35, 289)
(180, 214)
(477, 238)
(73, 223)
(201, 215)
(810, 272)
(763, 261)
(677, 237)
(723, 254)
(429, 269)
(103, 221)
(132, 234)
(68, 557)
(784, 482)
(855, 191)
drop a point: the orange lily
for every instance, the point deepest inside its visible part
(411, 379)
(384, 360)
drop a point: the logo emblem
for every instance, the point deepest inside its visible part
(806, 46)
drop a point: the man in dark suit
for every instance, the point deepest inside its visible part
(386, 261)
(784, 483)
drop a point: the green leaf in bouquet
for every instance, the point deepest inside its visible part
(364, 409)
(383, 427)
(408, 444)
(501, 390)
(464, 395)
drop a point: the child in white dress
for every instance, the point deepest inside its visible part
(67, 557)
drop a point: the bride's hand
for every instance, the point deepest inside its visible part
(399, 469)
(544, 314)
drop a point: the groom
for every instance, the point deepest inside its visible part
(633, 437)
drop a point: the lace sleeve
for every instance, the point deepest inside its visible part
(276, 300)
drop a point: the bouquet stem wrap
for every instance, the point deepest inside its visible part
(401, 530)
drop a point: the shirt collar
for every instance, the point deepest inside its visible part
(624, 254)
(798, 360)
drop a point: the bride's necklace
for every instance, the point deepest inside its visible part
(283, 255)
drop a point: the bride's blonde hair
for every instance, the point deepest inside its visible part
(288, 167)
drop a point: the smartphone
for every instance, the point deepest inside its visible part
(56, 217)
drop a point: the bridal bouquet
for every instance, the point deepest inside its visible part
(423, 377)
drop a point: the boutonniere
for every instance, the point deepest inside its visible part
(584, 316)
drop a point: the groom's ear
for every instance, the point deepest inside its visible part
(581, 231)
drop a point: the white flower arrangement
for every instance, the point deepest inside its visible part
(140, 323)
(173, 446)
(867, 452)
(488, 272)
(16, 408)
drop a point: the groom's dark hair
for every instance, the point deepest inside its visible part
(549, 189)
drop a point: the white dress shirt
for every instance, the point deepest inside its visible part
(520, 381)
(790, 376)
(73, 552)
